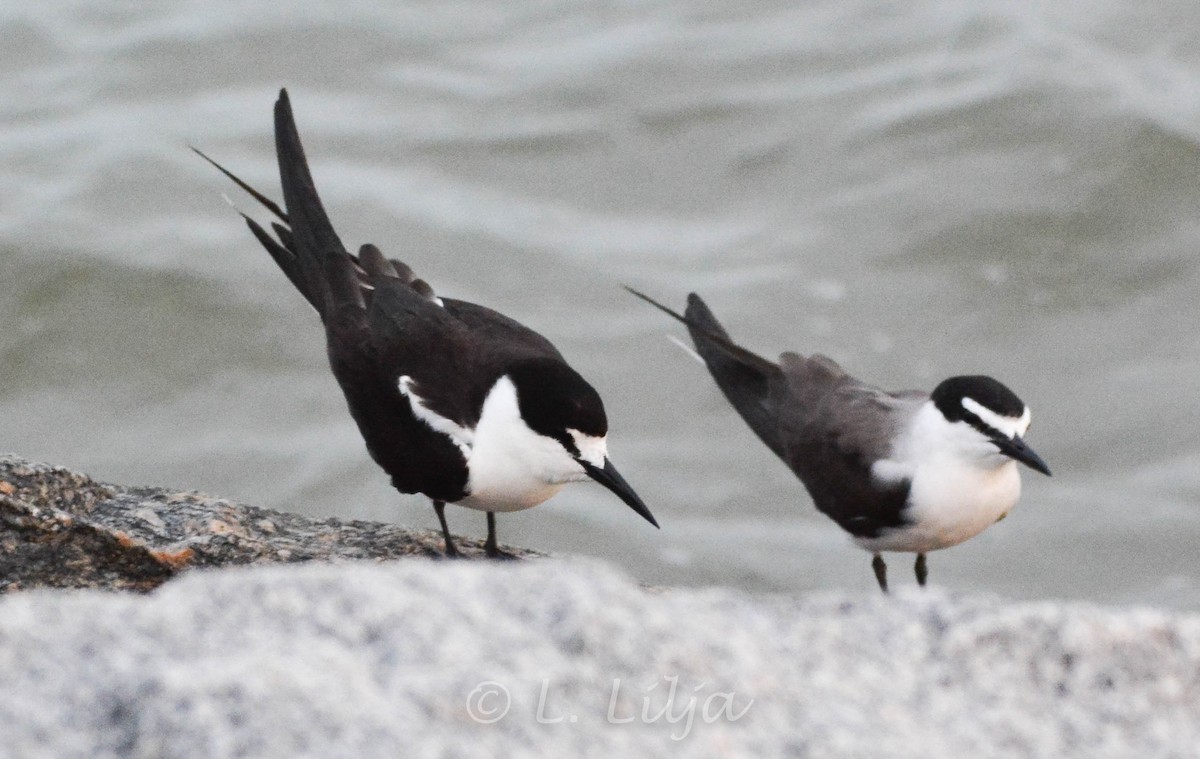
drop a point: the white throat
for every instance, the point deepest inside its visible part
(930, 439)
(512, 467)
(960, 482)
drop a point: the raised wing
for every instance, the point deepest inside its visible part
(323, 266)
(744, 377)
(382, 321)
(827, 426)
(747, 380)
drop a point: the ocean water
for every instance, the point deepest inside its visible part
(918, 190)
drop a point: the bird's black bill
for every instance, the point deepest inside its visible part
(610, 478)
(1016, 449)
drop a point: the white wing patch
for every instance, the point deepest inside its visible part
(461, 436)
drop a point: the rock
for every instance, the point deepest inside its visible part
(59, 528)
(564, 658)
(548, 658)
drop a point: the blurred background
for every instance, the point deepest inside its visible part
(918, 190)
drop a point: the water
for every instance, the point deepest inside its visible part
(918, 190)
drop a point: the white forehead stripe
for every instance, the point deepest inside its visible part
(1007, 425)
(461, 436)
(592, 449)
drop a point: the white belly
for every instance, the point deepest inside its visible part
(950, 503)
(512, 495)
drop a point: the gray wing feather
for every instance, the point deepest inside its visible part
(827, 426)
(833, 428)
(746, 379)
(824, 403)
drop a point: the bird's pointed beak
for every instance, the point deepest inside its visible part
(609, 477)
(1017, 449)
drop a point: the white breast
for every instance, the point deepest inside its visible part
(960, 484)
(511, 466)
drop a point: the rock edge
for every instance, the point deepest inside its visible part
(62, 529)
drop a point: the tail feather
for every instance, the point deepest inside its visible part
(284, 258)
(285, 235)
(745, 378)
(283, 249)
(306, 247)
(711, 330)
(267, 203)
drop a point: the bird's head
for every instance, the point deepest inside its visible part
(559, 405)
(991, 416)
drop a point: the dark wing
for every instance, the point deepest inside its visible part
(744, 377)
(824, 424)
(381, 322)
(376, 310)
(494, 331)
(324, 268)
(379, 317)
(833, 427)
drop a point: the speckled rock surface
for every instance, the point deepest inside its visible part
(550, 658)
(59, 528)
(559, 658)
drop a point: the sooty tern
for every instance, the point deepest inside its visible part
(453, 400)
(905, 471)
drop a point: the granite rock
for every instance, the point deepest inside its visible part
(568, 659)
(556, 657)
(60, 528)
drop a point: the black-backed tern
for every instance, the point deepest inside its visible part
(900, 471)
(454, 400)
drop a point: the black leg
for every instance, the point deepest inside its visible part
(921, 570)
(440, 508)
(491, 546)
(880, 572)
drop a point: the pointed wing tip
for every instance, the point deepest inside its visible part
(696, 304)
(283, 111)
